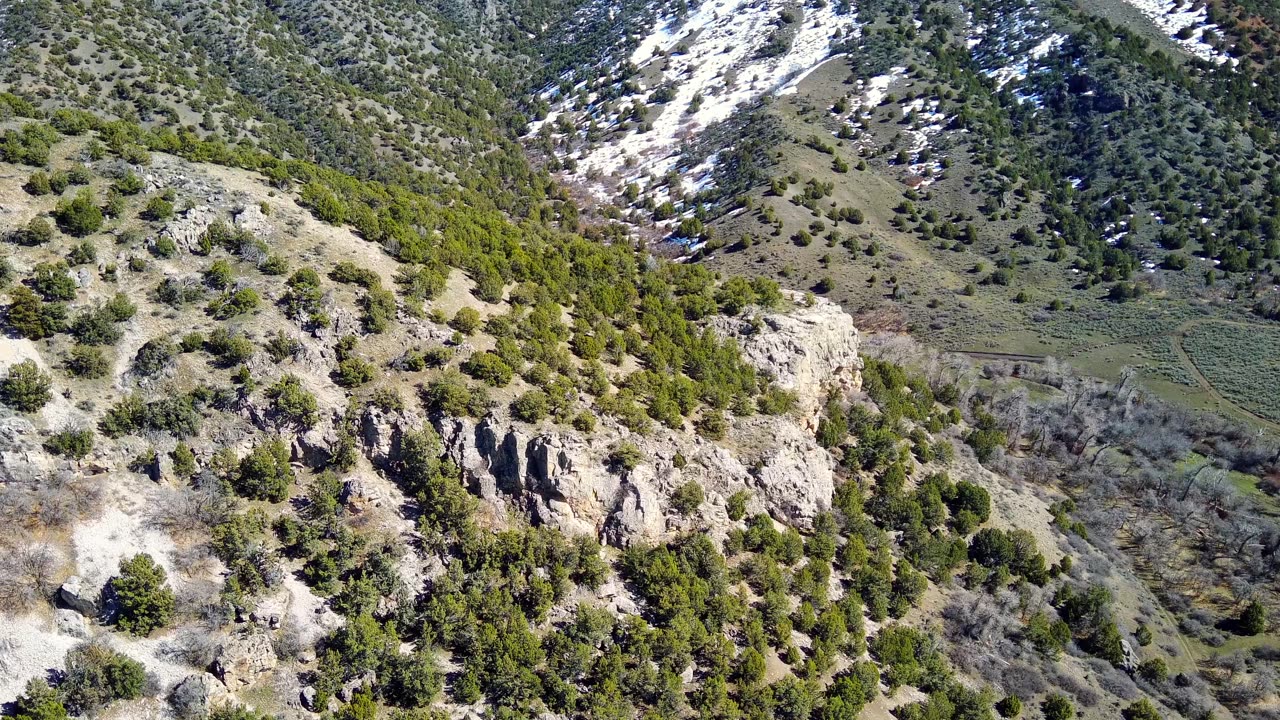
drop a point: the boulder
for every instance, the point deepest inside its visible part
(308, 698)
(359, 492)
(613, 594)
(75, 596)
(350, 687)
(197, 694)
(71, 623)
(243, 658)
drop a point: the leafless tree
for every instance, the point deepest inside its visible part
(197, 507)
(28, 575)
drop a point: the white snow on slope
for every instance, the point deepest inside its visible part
(1018, 70)
(1010, 42)
(877, 88)
(1173, 16)
(723, 68)
(6, 43)
(925, 121)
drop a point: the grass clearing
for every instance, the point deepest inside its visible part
(1242, 361)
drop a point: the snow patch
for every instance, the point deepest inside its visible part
(1175, 16)
(877, 88)
(1019, 70)
(721, 70)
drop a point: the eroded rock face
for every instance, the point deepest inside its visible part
(381, 433)
(243, 658)
(185, 231)
(806, 350)
(637, 514)
(21, 458)
(314, 447)
(795, 477)
(560, 478)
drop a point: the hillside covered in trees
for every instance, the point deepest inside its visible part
(397, 360)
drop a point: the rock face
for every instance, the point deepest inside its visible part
(243, 658)
(637, 514)
(560, 478)
(790, 475)
(185, 231)
(22, 459)
(806, 350)
(381, 433)
(1130, 662)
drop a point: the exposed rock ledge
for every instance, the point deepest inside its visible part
(560, 478)
(807, 350)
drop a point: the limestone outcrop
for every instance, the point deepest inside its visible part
(806, 350)
(243, 658)
(559, 477)
(185, 230)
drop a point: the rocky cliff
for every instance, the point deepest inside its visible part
(810, 349)
(561, 478)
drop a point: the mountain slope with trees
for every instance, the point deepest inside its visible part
(319, 398)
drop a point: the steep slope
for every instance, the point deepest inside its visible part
(313, 470)
(927, 153)
(320, 405)
(375, 89)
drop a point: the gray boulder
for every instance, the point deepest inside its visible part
(308, 698)
(197, 695)
(243, 658)
(71, 623)
(75, 596)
